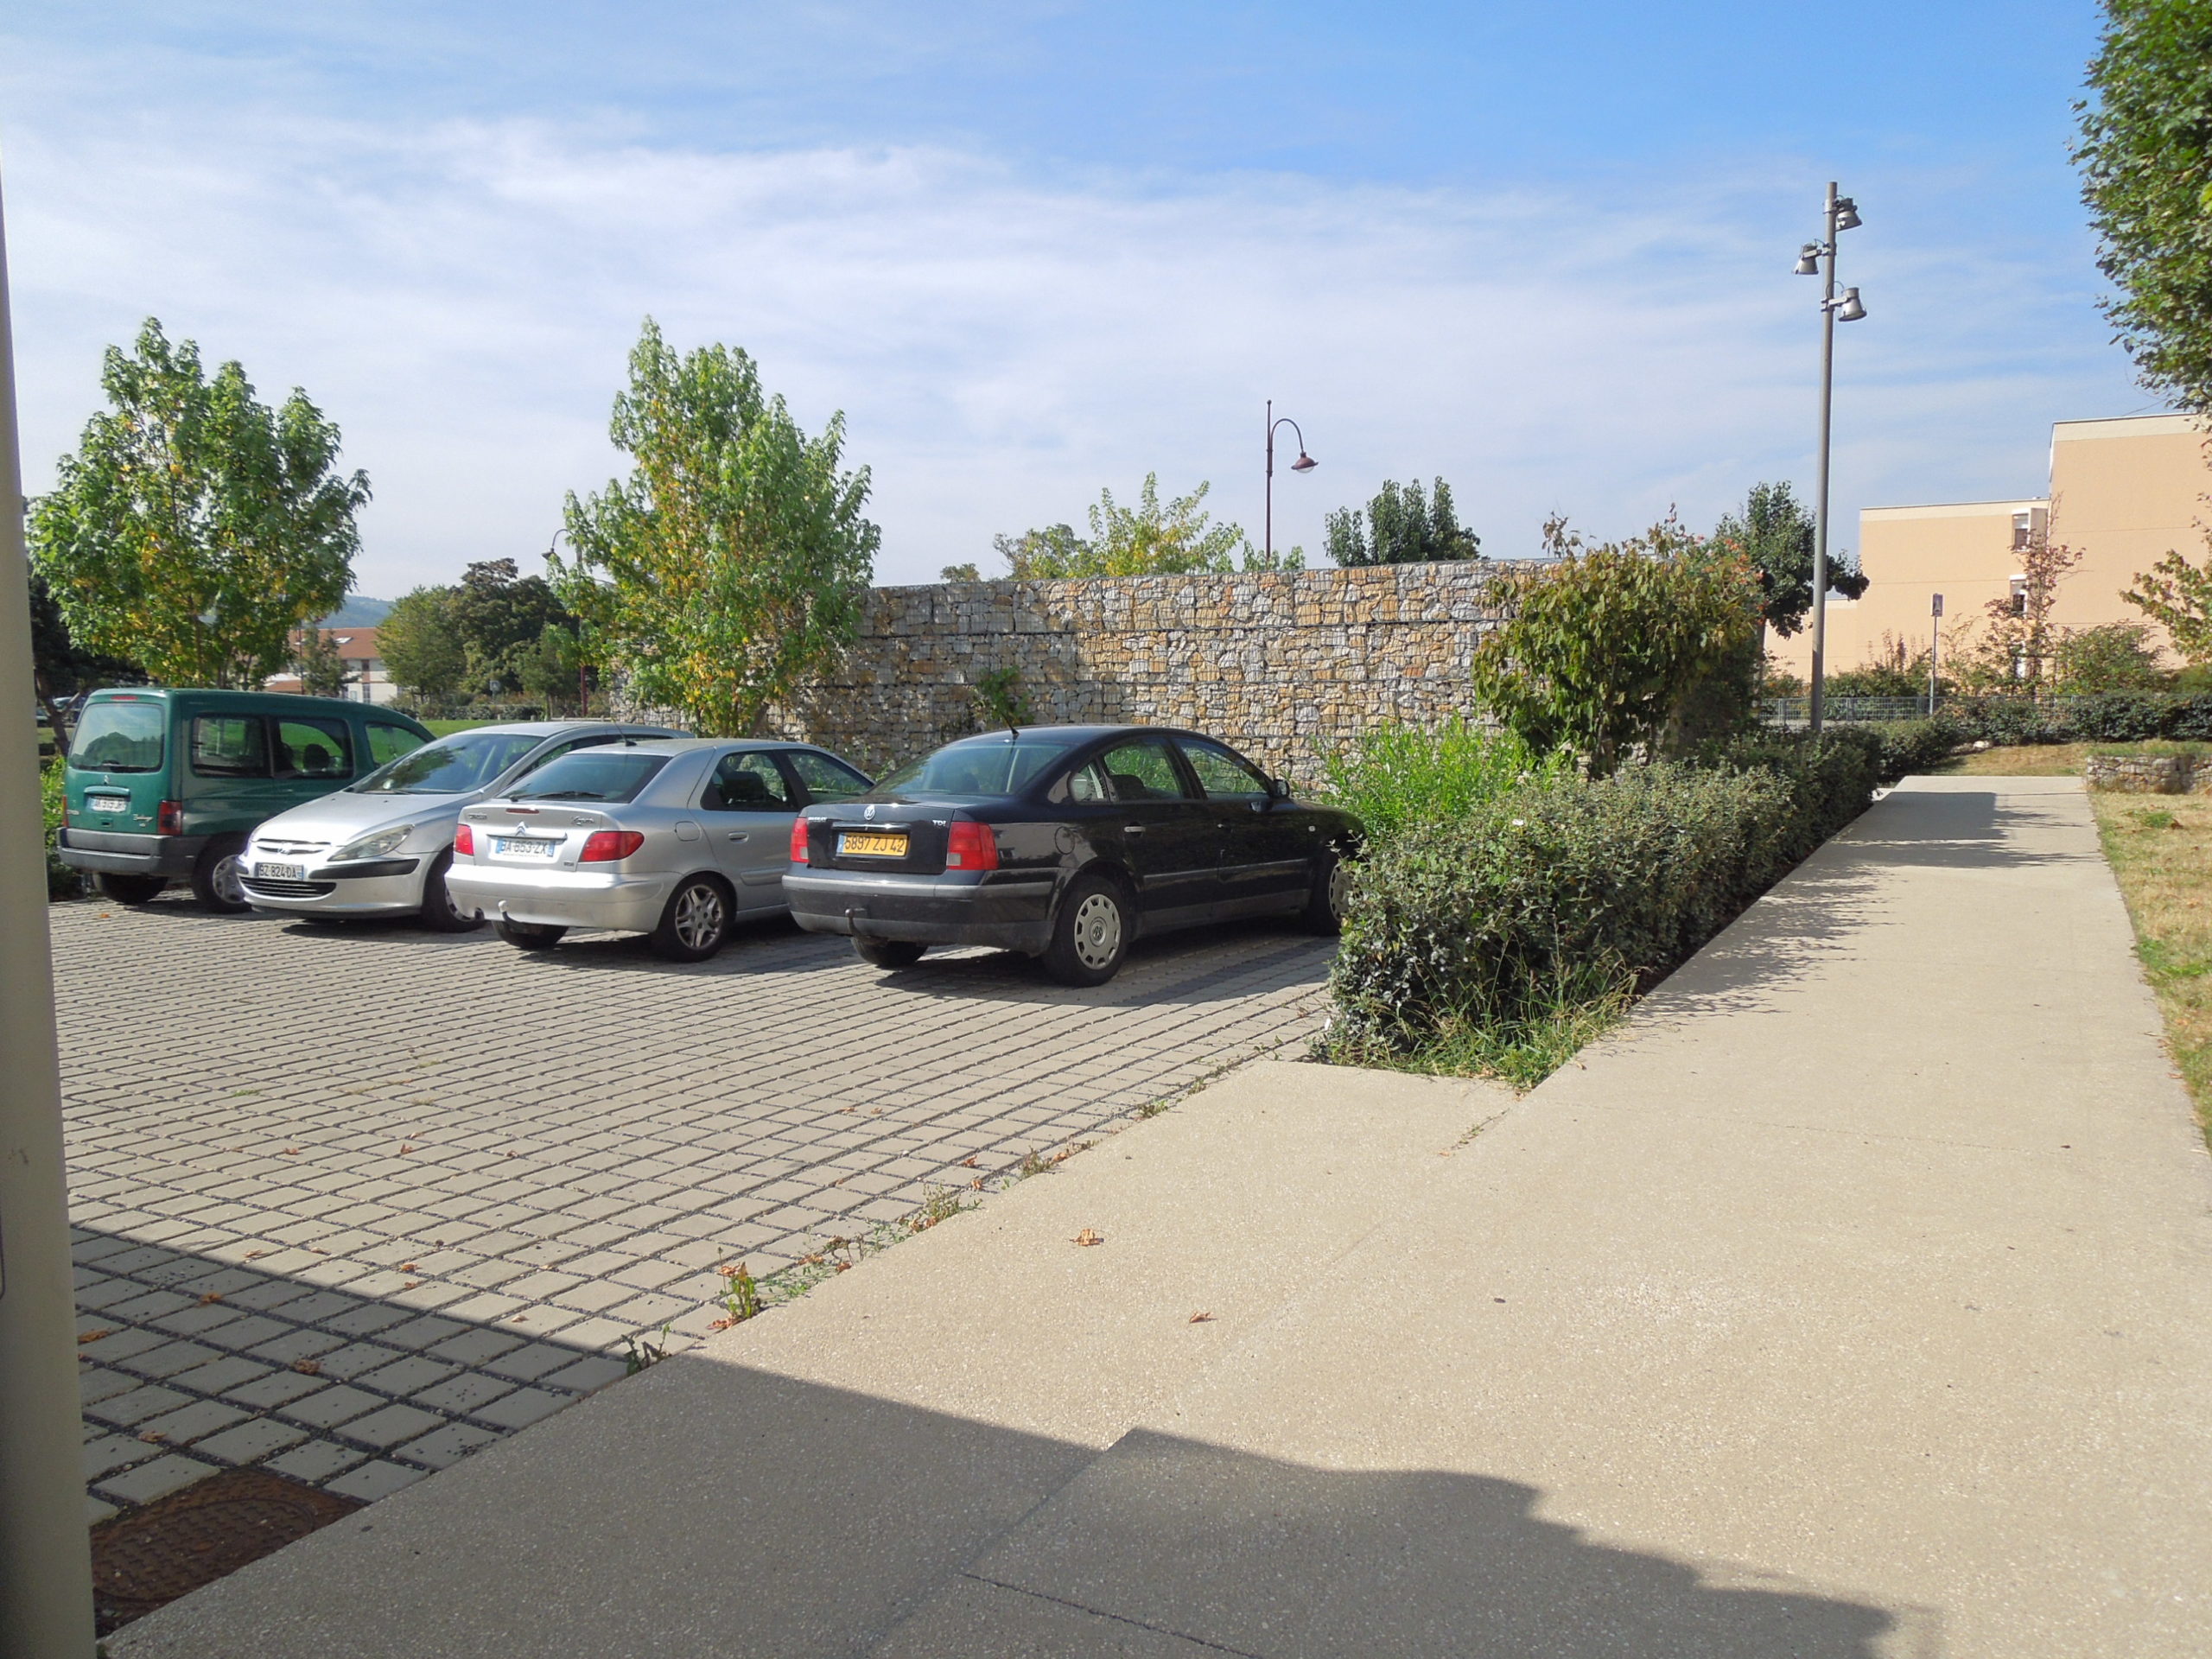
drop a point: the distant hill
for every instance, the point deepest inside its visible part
(359, 611)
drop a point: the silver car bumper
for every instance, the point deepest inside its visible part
(376, 887)
(628, 904)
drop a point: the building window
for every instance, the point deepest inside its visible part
(2023, 529)
(2019, 595)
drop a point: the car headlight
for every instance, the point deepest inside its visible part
(380, 845)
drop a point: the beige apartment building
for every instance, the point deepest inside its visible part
(2124, 492)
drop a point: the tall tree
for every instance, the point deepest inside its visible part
(2018, 643)
(2145, 156)
(2177, 595)
(1404, 524)
(1153, 538)
(422, 649)
(196, 528)
(730, 564)
(500, 615)
(316, 661)
(1775, 532)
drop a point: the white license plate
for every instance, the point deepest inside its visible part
(108, 803)
(525, 847)
(280, 872)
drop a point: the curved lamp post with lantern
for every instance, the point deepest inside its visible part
(1818, 259)
(1304, 463)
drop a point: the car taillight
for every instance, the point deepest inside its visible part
(971, 847)
(799, 841)
(604, 846)
(168, 818)
(464, 843)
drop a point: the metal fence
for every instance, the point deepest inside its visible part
(1798, 711)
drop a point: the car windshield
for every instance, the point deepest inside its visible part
(978, 768)
(119, 737)
(590, 775)
(452, 765)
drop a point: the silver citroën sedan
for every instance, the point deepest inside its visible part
(677, 839)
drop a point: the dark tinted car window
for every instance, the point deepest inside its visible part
(590, 775)
(978, 768)
(229, 746)
(746, 782)
(313, 748)
(1223, 775)
(119, 737)
(1142, 769)
(826, 779)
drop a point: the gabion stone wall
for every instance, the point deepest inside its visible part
(2151, 774)
(1279, 664)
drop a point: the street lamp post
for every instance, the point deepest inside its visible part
(1304, 463)
(1818, 259)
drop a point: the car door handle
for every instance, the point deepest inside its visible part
(1133, 829)
(737, 835)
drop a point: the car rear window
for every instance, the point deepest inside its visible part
(977, 768)
(590, 775)
(119, 737)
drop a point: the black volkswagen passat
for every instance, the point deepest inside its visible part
(1067, 843)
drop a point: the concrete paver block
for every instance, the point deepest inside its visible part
(156, 1479)
(374, 1480)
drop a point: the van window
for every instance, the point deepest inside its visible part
(120, 737)
(313, 748)
(388, 743)
(228, 746)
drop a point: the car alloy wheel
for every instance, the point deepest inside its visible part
(216, 882)
(1097, 931)
(695, 923)
(1339, 891)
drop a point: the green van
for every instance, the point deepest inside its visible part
(166, 785)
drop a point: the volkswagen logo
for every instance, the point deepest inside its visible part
(870, 813)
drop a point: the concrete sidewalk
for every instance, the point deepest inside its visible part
(1857, 1300)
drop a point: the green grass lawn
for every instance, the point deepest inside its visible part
(448, 727)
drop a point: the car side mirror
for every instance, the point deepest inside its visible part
(1278, 789)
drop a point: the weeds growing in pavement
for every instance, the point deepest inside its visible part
(741, 1297)
(644, 1352)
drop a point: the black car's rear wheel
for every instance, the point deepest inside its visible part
(216, 880)
(528, 935)
(1091, 935)
(1326, 899)
(695, 923)
(888, 953)
(129, 889)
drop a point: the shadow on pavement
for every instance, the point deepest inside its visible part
(704, 1507)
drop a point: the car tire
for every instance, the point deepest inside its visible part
(695, 923)
(439, 914)
(1325, 898)
(888, 953)
(528, 935)
(129, 889)
(1090, 933)
(215, 881)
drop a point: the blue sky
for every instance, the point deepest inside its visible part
(1033, 249)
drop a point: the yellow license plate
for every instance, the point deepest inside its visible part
(871, 843)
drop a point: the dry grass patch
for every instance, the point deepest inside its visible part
(2160, 849)
(2029, 760)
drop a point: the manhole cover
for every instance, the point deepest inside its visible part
(175, 1544)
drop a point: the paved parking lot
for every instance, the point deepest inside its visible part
(351, 1203)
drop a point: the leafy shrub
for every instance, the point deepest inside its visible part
(1578, 883)
(2011, 721)
(1911, 746)
(2114, 718)
(2190, 719)
(62, 881)
(1394, 778)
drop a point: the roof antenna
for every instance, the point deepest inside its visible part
(1013, 730)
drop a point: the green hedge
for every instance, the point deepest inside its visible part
(1572, 886)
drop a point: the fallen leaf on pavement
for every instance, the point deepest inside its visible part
(1089, 1236)
(307, 1367)
(255, 1255)
(291, 1152)
(84, 1336)
(409, 1267)
(211, 1296)
(412, 1284)
(153, 1437)
(404, 1151)
(968, 1163)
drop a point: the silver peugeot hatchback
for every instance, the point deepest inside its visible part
(378, 847)
(676, 840)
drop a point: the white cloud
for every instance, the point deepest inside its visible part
(460, 300)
